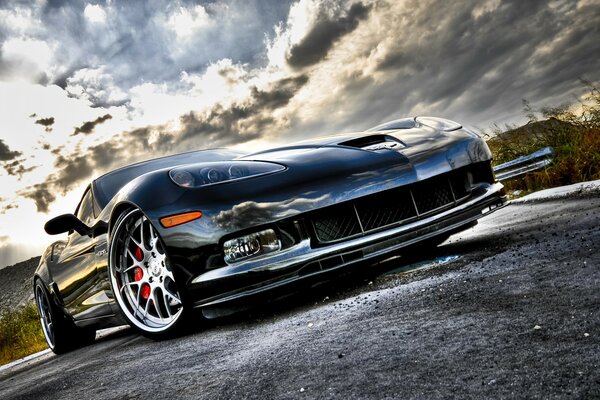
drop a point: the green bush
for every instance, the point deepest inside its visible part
(20, 334)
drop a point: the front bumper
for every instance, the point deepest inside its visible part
(303, 260)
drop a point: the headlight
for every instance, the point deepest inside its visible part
(252, 245)
(203, 174)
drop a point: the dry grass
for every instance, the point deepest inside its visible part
(575, 136)
(20, 334)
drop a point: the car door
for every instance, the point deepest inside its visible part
(75, 273)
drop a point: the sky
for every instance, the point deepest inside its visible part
(86, 87)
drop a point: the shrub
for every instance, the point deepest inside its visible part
(573, 132)
(20, 334)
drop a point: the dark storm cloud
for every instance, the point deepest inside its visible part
(70, 171)
(57, 150)
(443, 60)
(17, 168)
(6, 154)
(324, 34)
(88, 127)
(279, 95)
(243, 121)
(7, 207)
(46, 123)
(61, 79)
(73, 169)
(42, 195)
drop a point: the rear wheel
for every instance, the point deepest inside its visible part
(142, 278)
(61, 333)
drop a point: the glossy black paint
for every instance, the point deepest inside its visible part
(319, 173)
(65, 223)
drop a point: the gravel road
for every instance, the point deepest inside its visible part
(508, 309)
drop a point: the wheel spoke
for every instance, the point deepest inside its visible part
(169, 274)
(152, 236)
(167, 304)
(137, 305)
(142, 233)
(131, 267)
(128, 284)
(173, 298)
(134, 241)
(130, 254)
(147, 308)
(157, 304)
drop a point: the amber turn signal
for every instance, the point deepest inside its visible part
(178, 219)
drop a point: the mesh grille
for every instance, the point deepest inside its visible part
(385, 209)
(338, 223)
(432, 194)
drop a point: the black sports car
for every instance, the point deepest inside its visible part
(152, 241)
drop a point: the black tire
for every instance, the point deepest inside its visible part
(60, 332)
(142, 280)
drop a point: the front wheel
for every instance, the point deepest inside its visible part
(142, 278)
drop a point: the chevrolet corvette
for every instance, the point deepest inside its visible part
(151, 242)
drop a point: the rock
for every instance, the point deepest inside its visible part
(16, 284)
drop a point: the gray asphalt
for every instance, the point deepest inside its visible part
(515, 315)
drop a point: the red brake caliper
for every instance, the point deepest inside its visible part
(138, 274)
(138, 254)
(145, 291)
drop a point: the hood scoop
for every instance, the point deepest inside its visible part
(374, 143)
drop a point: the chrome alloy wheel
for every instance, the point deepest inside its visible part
(43, 306)
(141, 276)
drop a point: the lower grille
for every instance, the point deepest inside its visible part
(432, 194)
(339, 224)
(384, 209)
(392, 207)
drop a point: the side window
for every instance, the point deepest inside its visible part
(85, 211)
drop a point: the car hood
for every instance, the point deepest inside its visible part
(414, 146)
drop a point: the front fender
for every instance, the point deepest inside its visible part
(44, 274)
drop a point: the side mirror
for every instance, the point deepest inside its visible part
(65, 223)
